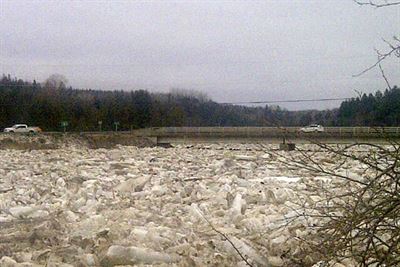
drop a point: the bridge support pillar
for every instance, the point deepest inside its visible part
(287, 146)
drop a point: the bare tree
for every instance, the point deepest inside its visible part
(352, 216)
(190, 93)
(56, 81)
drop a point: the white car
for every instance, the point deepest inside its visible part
(22, 128)
(312, 128)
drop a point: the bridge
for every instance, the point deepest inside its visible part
(162, 135)
(269, 134)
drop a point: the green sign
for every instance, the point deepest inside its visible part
(116, 123)
(64, 124)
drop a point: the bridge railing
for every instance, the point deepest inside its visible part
(255, 132)
(363, 130)
(271, 132)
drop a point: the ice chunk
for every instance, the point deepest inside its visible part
(120, 255)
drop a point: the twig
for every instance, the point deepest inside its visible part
(196, 179)
(374, 4)
(381, 58)
(384, 76)
(227, 239)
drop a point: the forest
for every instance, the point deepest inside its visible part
(50, 103)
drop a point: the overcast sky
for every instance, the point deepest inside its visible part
(232, 50)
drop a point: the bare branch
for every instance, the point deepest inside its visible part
(376, 4)
(229, 240)
(395, 50)
(384, 76)
(354, 218)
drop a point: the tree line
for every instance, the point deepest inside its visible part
(47, 105)
(380, 109)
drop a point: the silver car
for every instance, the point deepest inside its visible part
(22, 128)
(312, 128)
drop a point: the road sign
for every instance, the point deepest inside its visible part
(116, 123)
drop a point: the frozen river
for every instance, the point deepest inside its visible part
(131, 206)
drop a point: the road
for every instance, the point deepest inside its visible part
(269, 134)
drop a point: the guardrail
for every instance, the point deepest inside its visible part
(348, 132)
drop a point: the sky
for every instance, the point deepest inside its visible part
(234, 51)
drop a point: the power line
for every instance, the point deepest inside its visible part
(287, 101)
